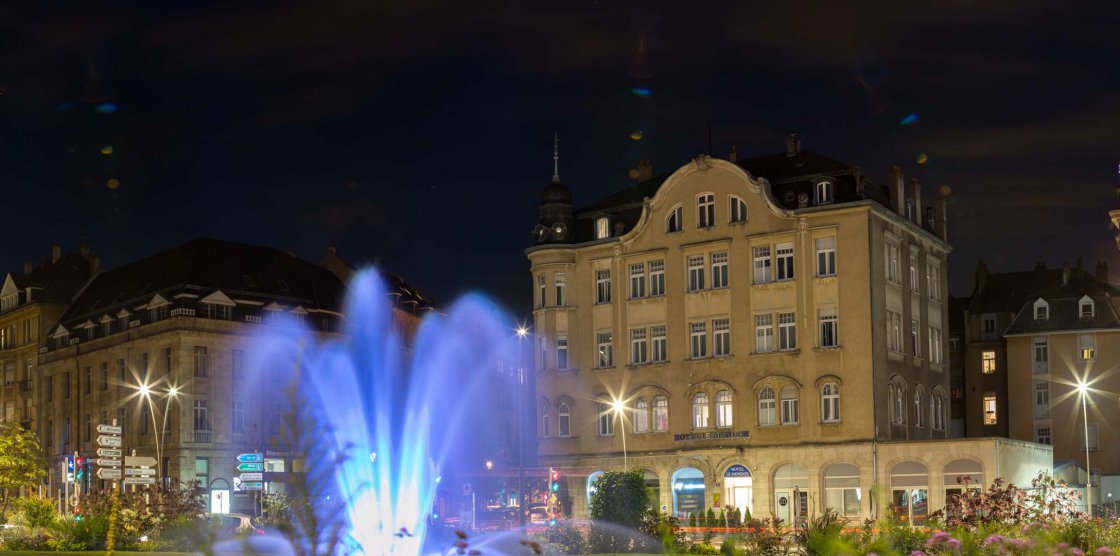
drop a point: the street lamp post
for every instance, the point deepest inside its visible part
(522, 507)
(619, 408)
(1083, 390)
(146, 393)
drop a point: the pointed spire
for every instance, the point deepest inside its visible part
(555, 156)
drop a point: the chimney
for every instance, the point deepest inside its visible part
(793, 145)
(84, 250)
(331, 250)
(645, 170)
(27, 268)
(916, 192)
(802, 200)
(1102, 272)
(930, 218)
(95, 265)
(733, 156)
(941, 204)
(1065, 273)
(56, 253)
(898, 190)
(618, 229)
(981, 276)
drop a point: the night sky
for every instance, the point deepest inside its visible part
(421, 137)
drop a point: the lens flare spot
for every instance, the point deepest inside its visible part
(107, 108)
(636, 135)
(945, 190)
(643, 92)
(922, 158)
(113, 183)
(911, 118)
(107, 149)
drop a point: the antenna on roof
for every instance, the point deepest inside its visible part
(555, 156)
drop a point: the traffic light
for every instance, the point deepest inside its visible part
(80, 468)
(553, 480)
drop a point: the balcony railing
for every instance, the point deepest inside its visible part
(252, 318)
(203, 436)
(182, 311)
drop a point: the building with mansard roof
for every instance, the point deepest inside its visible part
(766, 333)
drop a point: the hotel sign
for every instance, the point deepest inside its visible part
(712, 435)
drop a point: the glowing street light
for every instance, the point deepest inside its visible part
(522, 331)
(146, 392)
(489, 465)
(1083, 390)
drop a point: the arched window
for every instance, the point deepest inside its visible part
(546, 419)
(897, 392)
(660, 414)
(641, 416)
(606, 419)
(591, 487)
(723, 408)
(841, 489)
(937, 410)
(766, 406)
(737, 208)
(791, 493)
(824, 194)
(674, 221)
(910, 493)
(700, 411)
(564, 420)
(961, 474)
(791, 411)
(919, 415)
(602, 228)
(830, 402)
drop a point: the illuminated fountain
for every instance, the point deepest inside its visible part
(403, 415)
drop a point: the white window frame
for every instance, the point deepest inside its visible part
(763, 264)
(602, 286)
(546, 421)
(787, 331)
(933, 280)
(637, 280)
(1042, 394)
(1086, 309)
(736, 209)
(562, 360)
(919, 414)
(660, 414)
(823, 193)
(989, 409)
(697, 340)
(916, 338)
(1040, 354)
(767, 407)
(705, 210)
(700, 411)
(1087, 347)
(602, 227)
(561, 283)
(721, 337)
(826, 256)
(791, 406)
(564, 420)
(988, 364)
(606, 419)
(830, 402)
(720, 276)
(935, 355)
(639, 346)
(914, 284)
(829, 327)
(657, 278)
(659, 344)
(605, 354)
(724, 409)
(764, 333)
(1043, 435)
(641, 416)
(695, 264)
(894, 331)
(783, 259)
(894, 265)
(542, 289)
(674, 219)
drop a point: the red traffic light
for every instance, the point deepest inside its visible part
(555, 475)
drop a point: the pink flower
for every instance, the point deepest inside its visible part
(953, 543)
(1103, 551)
(1076, 551)
(993, 539)
(917, 553)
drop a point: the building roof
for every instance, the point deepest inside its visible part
(1006, 291)
(55, 282)
(1065, 315)
(408, 298)
(207, 265)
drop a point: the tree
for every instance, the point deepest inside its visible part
(20, 456)
(620, 500)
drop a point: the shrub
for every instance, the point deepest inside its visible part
(30, 541)
(564, 537)
(822, 535)
(35, 512)
(620, 499)
(768, 538)
(710, 518)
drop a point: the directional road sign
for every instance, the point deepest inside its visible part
(252, 486)
(250, 467)
(105, 440)
(109, 452)
(139, 461)
(251, 477)
(108, 473)
(251, 458)
(139, 471)
(139, 480)
(108, 462)
(108, 429)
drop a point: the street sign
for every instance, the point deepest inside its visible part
(251, 477)
(252, 486)
(109, 452)
(139, 461)
(108, 473)
(251, 458)
(114, 441)
(108, 429)
(139, 471)
(139, 480)
(250, 467)
(108, 462)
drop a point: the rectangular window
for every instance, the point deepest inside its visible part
(238, 416)
(988, 362)
(894, 331)
(1088, 347)
(764, 333)
(561, 289)
(1042, 393)
(603, 286)
(829, 327)
(826, 256)
(784, 256)
(237, 364)
(990, 414)
(954, 345)
(1043, 435)
(656, 278)
(913, 271)
(202, 361)
(564, 422)
(790, 411)
(762, 264)
(606, 349)
(695, 273)
(915, 338)
(988, 330)
(719, 270)
(541, 289)
(202, 416)
(894, 269)
(706, 210)
(1094, 439)
(202, 472)
(561, 352)
(657, 333)
(787, 332)
(606, 420)
(935, 345)
(660, 414)
(698, 340)
(721, 337)
(167, 360)
(933, 281)
(639, 348)
(1041, 355)
(637, 280)
(220, 312)
(542, 342)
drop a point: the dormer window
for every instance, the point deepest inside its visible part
(602, 228)
(674, 220)
(824, 192)
(910, 211)
(1041, 309)
(1085, 308)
